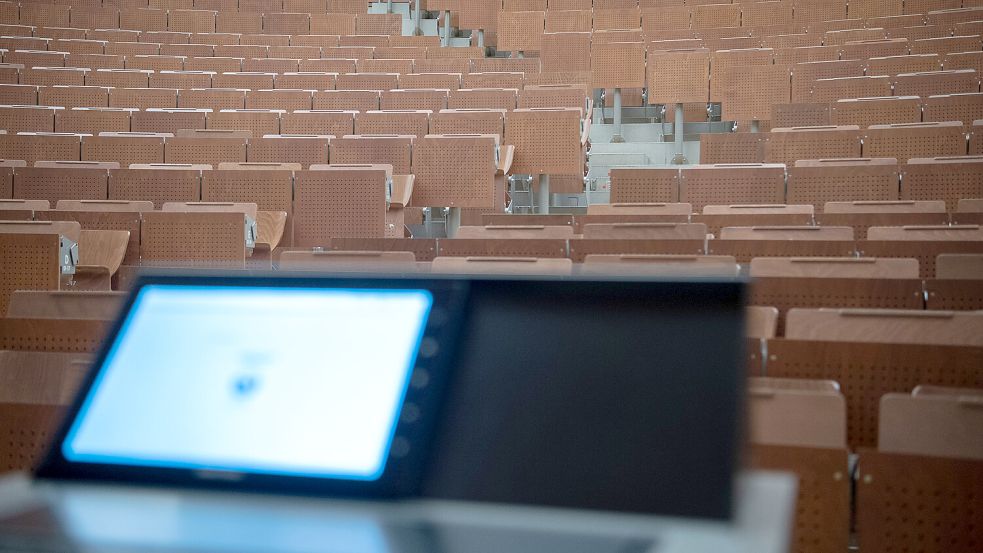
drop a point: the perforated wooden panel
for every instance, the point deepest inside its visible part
(866, 372)
(119, 78)
(800, 115)
(158, 186)
(392, 150)
(214, 99)
(618, 65)
(93, 121)
(7, 185)
(166, 121)
(25, 433)
(567, 51)
(818, 185)
(581, 248)
(733, 147)
(491, 121)
(568, 20)
(156, 63)
(257, 122)
(505, 247)
(946, 45)
(547, 141)
(170, 239)
(679, 77)
(788, 145)
(918, 504)
(15, 119)
(416, 99)
(937, 82)
(339, 202)
(210, 151)
(865, 112)
(123, 149)
(32, 148)
(456, 171)
(378, 24)
(51, 76)
(270, 190)
(53, 335)
(943, 179)
(747, 93)
(367, 81)
(822, 513)
(521, 31)
(954, 107)
(804, 75)
(354, 100)
(142, 98)
(447, 81)
(102, 220)
(31, 262)
(35, 183)
(416, 123)
(494, 80)
(732, 184)
(916, 140)
(332, 24)
(191, 21)
(73, 96)
(306, 150)
(644, 185)
(746, 250)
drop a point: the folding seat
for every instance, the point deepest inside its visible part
(206, 147)
(113, 35)
(449, 81)
(831, 90)
(711, 16)
(964, 60)
(438, 183)
(247, 80)
(388, 150)
(416, 99)
(748, 93)
(132, 48)
(78, 46)
(976, 138)
(820, 181)
(943, 178)
(313, 41)
(920, 32)
(270, 65)
(969, 211)
(261, 5)
(215, 99)
(947, 45)
(29, 43)
(915, 140)
(50, 76)
(28, 118)
(191, 21)
(124, 148)
(764, 13)
(834, 268)
(157, 183)
(937, 82)
(305, 6)
(355, 100)
(32, 147)
(119, 78)
(279, 99)
(885, 326)
(894, 65)
(385, 66)
(265, 39)
(703, 185)
(853, 36)
(717, 217)
(303, 149)
(95, 61)
(339, 201)
(175, 239)
(143, 19)
(399, 41)
(493, 80)
(213, 64)
(861, 215)
(791, 144)
(155, 63)
(256, 121)
(295, 52)
(332, 24)
(242, 51)
(807, 232)
(181, 79)
(214, 39)
(733, 147)
(679, 77)
(806, 54)
(966, 107)
(804, 76)
(20, 94)
(45, 15)
(521, 31)
(328, 65)
(58, 34)
(372, 40)
(269, 186)
(400, 122)
(394, 52)
(306, 80)
(187, 50)
(238, 22)
(93, 120)
(378, 24)
(468, 121)
(347, 262)
(644, 186)
(142, 98)
(866, 49)
(665, 19)
(467, 98)
(800, 115)
(53, 184)
(506, 65)
(106, 17)
(169, 120)
(865, 112)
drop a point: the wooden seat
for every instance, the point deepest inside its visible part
(193, 240)
(644, 185)
(819, 181)
(483, 98)
(401, 122)
(81, 181)
(268, 186)
(157, 184)
(943, 178)
(659, 265)
(125, 148)
(353, 100)
(790, 145)
(215, 99)
(392, 150)
(39, 246)
(548, 141)
(961, 233)
(340, 201)
(258, 122)
(893, 326)
(33, 147)
(206, 147)
(965, 107)
(527, 232)
(865, 112)
(959, 266)
(438, 161)
(716, 217)
(501, 266)
(502, 247)
(915, 140)
(645, 231)
(28, 118)
(865, 214)
(469, 121)
(733, 147)
(703, 185)
(348, 261)
(834, 267)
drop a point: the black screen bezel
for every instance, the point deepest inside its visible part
(401, 477)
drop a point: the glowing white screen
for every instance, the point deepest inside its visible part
(267, 380)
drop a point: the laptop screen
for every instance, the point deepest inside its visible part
(265, 380)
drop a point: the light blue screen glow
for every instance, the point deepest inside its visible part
(303, 382)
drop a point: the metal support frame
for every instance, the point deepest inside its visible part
(446, 41)
(617, 138)
(389, 6)
(480, 33)
(452, 222)
(678, 131)
(541, 195)
(416, 18)
(755, 126)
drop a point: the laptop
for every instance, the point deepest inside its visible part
(398, 414)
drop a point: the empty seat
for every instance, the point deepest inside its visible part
(819, 181)
(416, 99)
(93, 120)
(119, 78)
(157, 184)
(886, 326)
(340, 201)
(732, 184)
(458, 171)
(304, 149)
(548, 141)
(483, 98)
(864, 112)
(806, 232)
(244, 79)
(347, 261)
(182, 79)
(831, 90)
(168, 120)
(834, 267)
(57, 183)
(367, 81)
(206, 147)
(354, 100)
(659, 265)
(716, 217)
(468, 121)
(937, 82)
(379, 150)
(792, 144)
(306, 80)
(407, 122)
(73, 96)
(215, 99)
(862, 215)
(966, 107)
(28, 118)
(33, 147)
(50, 76)
(256, 121)
(915, 140)
(174, 239)
(959, 266)
(124, 148)
(143, 98)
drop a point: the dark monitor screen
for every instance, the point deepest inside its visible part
(604, 395)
